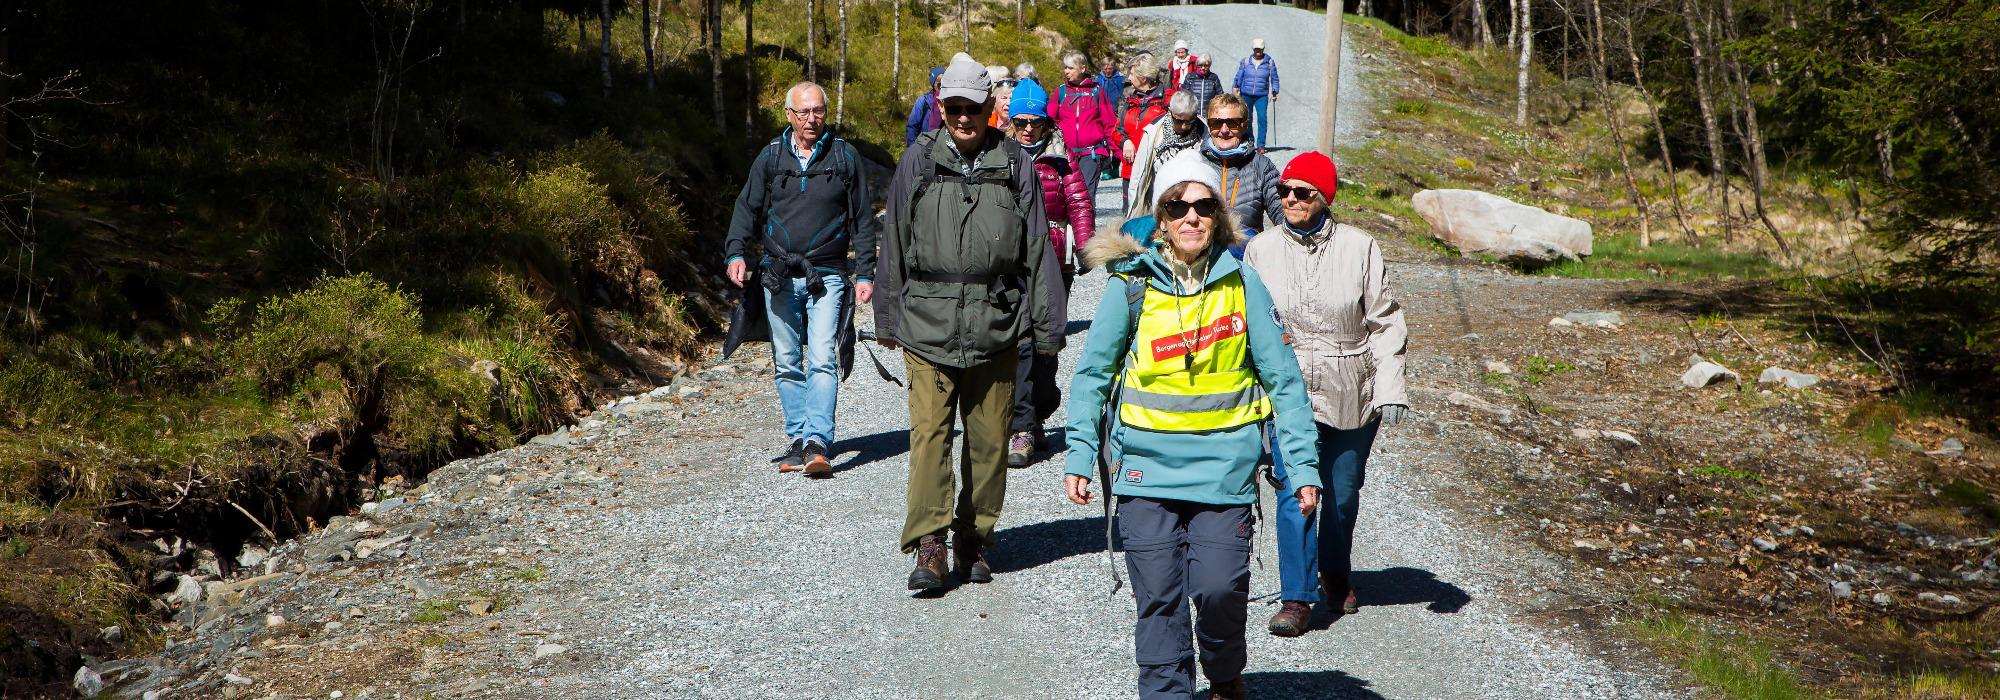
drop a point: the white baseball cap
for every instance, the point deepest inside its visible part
(1256, 43)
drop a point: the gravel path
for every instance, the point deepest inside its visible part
(658, 555)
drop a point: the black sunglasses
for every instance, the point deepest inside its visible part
(1177, 208)
(1026, 122)
(964, 110)
(1305, 194)
(1236, 123)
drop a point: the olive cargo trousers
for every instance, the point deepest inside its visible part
(984, 394)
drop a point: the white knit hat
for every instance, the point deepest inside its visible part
(1186, 166)
(1180, 44)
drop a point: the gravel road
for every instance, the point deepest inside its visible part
(659, 555)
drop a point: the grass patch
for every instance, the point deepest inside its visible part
(1618, 256)
(1717, 471)
(435, 610)
(1949, 685)
(531, 574)
(1734, 668)
(1966, 494)
(1537, 369)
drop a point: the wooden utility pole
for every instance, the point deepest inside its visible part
(1329, 99)
(1521, 73)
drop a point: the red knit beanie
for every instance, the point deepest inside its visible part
(1317, 170)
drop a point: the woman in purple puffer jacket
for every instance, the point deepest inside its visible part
(1072, 218)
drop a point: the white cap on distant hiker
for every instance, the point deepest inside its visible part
(1257, 44)
(965, 79)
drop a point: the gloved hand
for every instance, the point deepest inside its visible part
(1393, 413)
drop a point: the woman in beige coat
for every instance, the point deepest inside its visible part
(1327, 287)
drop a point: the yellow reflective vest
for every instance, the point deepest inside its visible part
(1189, 367)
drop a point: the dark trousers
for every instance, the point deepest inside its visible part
(1179, 552)
(1087, 167)
(1036, 393)
(1323, 543)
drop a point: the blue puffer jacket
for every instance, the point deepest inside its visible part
(1217, 467)
(1257, 79)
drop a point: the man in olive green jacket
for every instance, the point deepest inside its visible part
(965, 273)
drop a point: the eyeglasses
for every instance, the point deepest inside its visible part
(1236, 123)
(812, 112)
(973, 110)
(1026, 122)
(1301, 192)
(1204, 207)
(1183, 123)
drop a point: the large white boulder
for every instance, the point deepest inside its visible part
(1477, 222)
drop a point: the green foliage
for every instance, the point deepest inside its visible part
(1536, 369)
(1736, 669)
(1717, 471)
(1618, 256)
(435, 610)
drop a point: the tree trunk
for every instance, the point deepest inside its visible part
(812, 40)
(965, 22)
(1753, 139)
(1599, 60)
(1659, 129)
(1513, 25)
(582, 37)
(749, 70)
(895, 53)
(1479, 24)
(1329, 101)
(1020, 14)
(1718, 172)
(1521, 73)
(604, 50)
(650, 38)
(714, 8)
(840, 91)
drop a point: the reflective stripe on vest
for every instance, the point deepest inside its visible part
(1188, 370)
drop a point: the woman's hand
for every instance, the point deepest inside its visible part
(1308, 500)
(1078, 488)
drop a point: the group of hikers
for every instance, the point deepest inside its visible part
(1240, 327)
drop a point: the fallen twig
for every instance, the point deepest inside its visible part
(253, 519)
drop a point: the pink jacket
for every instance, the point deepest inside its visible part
(1084, 113)
(1067, 200)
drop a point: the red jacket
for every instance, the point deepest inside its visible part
(1139, 111)
(1084, 113)
(1067, 200)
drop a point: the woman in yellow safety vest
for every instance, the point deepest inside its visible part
(1191, 362)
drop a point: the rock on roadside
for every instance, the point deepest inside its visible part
(1791, 379)
(1706, 374)
(1477, 222)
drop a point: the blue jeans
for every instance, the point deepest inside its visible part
(804, 331)
(1305, 548)
(1259, 105)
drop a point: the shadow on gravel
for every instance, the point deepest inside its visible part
(1308, 685)
(1025, 547)
(869, 449)
(1402, 585)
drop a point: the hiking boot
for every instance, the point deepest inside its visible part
(1232, 690)
(814, 457)
(794, 459)
(1020, 449)
(1334, 588)
(929, 574)
(970, 563)
(1293, 619)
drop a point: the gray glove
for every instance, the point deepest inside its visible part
(1393, 414)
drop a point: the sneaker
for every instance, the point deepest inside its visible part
(970, 561)
(814, 457)
(794, 459)
(1293, 619)
(1232, 690)
(1020, 449)
(929, 574)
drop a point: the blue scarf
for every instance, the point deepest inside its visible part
(1035, 149)
(1318, 227)
(1242, 149)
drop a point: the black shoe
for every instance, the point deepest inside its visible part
(794, 459)
(814, 458)
(970, 561)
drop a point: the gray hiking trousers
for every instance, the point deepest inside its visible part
(1177, 552)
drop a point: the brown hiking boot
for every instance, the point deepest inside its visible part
(929, 574)
(1232, 690)
(1293, 619)
(970, 560)
(814, 457)
(1338, 588)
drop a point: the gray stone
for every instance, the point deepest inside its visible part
(489, 371)
(187, 592)
(1706, 374)
(1843, 589)
(1460, 398)
(547, 650)
(1498, 367)
(1478, 222)
(559, 438)
(1595, 319)
(424, 590)
(1791, 379)
(1951, 448)
(113, 633)
(1764, 544)
(251, 556)
(86, 682)
(1620, 438)
(207, 564)
(1883, 599)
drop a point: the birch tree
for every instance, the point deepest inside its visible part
(1599, 61)
(1521, 72)
(649, 36)
(1718, 174)
(604, 47)
(840, 91)
(749, 69)
(714, 17)
(1659, 129)
(1479, 23)
(895, 51)
(812, 40)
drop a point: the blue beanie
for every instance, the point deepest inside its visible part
(935, 72)
(1028, 99)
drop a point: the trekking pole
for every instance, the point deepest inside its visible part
(868, 336)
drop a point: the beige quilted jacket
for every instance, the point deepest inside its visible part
(1346, 327)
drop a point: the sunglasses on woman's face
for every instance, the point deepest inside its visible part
(1205, 207)
(965, 110)
(1300, 192)
(1237, 123)
(1027, 123)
